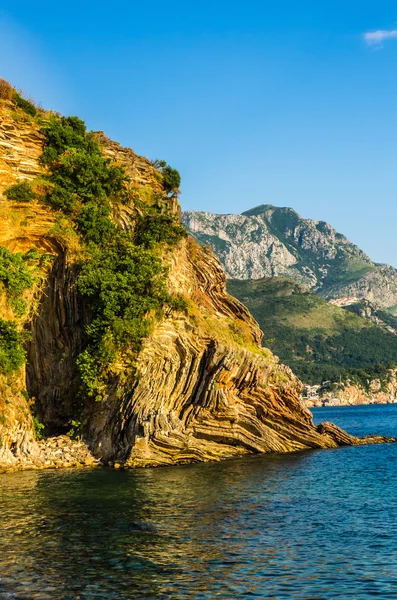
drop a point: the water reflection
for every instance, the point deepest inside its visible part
(308, 525)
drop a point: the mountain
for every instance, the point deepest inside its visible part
(116, 329)
(317, 339)
(268, 241)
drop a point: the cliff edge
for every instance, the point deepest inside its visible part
(122, 332)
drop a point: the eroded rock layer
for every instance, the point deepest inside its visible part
(201, 388)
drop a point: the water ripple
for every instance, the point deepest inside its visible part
(315, 525)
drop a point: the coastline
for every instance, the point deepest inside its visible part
(58, 452)
(349, 394)
(61, 452)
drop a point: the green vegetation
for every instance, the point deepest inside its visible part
(171, 180)
(153, 229)
(171, 177)
(360, 308)
(124, 283)
(16, 277)
(21, 191)
(122, 277)
(75, 431)
(83, 180)
(27, 106)
(12, 354)
(318, 340)
(38, 428)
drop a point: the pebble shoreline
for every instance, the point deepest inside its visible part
(53, 453)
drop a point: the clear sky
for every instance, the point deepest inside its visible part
(283, 102)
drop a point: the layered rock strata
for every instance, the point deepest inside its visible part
(201, 388)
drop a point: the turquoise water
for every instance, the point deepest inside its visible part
(313, 525)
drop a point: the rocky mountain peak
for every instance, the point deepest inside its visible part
(268, 241)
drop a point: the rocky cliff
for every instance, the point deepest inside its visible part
(198, 386)
(268, 241)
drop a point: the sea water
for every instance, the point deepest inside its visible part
(315, 525)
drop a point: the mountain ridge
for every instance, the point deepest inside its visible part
(268, 241)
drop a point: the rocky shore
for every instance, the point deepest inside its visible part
(61, 452)
(53, 453)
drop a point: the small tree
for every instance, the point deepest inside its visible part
(171, 177)
(171, 180)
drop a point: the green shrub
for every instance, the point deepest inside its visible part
(158, 164)
(62, 199)
(26, 106)
(80, 173)
(12, 354)
(123, 283)
(20, 192)
(94, 222)
(15, 277)
(171, 180)
(88, 174)
(75, 431)
(171, 177)
(61, 134)
(178, 303)
(38, 428)
(123, 278)
(156, 229)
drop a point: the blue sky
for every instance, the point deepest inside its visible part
(288, 103)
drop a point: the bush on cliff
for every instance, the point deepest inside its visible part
(12, 354)
(38, 428)
(27, 106)
(171, 180)
(21, 191)
(123, 283)
(78, 170)
(153, 229)
(16, 278)
(122, 277)
(171, 177)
